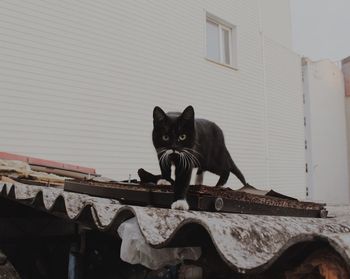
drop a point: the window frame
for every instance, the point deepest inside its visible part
(233, 44)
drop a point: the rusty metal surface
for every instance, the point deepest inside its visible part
(200, 197)
(247, 243)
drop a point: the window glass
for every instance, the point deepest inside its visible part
(213, 46)
(226, 46)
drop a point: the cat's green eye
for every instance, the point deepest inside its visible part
(182, 137)
(165, 138)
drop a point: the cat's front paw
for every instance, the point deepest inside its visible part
(180, 205)
(163, 182)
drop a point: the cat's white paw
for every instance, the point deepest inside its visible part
(163, 182)
(180, 205)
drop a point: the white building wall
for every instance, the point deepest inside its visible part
(347, 114)
(327, 139)
(79, 80)
(285, 118)
(346, 74)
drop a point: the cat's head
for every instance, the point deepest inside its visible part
(173, 131)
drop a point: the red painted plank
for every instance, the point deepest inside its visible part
(10, 156)
(46, 163)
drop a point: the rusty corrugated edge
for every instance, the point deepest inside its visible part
(247, 243)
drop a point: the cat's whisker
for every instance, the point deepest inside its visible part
(189, 151)
(168, 152)
(194, 160)
(191, 163)
(161, 157)
(197, 161)
(164, 158)
(181, 160)
(186, 161)
(161, 160)
(160, 150)
(193, 150)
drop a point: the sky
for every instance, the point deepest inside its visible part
(321, 28)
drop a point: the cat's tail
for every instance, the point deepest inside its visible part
(235, 170)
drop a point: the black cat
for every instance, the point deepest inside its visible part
(187, 143)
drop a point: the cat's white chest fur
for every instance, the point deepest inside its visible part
(173, 171)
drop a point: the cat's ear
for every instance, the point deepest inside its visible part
(188, 113)
(158, 114)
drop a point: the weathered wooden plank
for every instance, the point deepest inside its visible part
(199, 197)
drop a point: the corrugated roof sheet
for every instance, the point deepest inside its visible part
(245, 242)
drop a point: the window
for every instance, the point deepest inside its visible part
(221, 40)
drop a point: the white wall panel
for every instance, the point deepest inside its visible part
(285, 118)
(328, 163)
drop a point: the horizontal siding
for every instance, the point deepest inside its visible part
(79, 80)
(285, 118)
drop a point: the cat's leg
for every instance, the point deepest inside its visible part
(223, 178)
(182, 182)
(199, 177)
(235, 170)
(166, 175)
